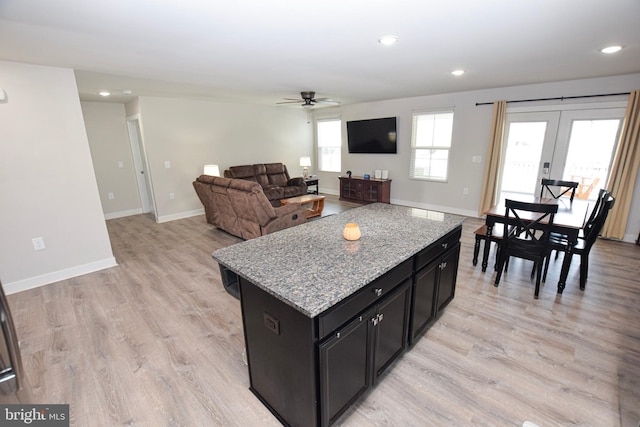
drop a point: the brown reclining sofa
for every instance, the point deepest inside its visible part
(241, 208)
(274, 179)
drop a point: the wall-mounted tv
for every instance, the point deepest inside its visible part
(372, 136)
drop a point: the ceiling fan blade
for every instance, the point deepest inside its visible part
(327, 101)
(293, 101)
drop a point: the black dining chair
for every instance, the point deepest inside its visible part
(588, 237)
(526, 235)
(481, 236)
(558, 188)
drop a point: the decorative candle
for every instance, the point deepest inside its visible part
(351, 231)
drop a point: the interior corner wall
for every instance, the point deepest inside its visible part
(112, 158)
(180, 136)
(47, 181)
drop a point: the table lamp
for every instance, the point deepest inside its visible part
(305, 162)
(211, 170)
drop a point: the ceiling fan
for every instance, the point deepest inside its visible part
(309, 100)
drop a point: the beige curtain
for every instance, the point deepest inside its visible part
(625, 169)
(494, 157)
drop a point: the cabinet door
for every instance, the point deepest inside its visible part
(345, 367)
(424, 298)
(390, 324)
(447, 276)
(370, 192)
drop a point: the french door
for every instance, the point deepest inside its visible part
(573, 145)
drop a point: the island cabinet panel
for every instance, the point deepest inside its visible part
(281, 355)
(434, 283)
(345, 366)
(355, 356)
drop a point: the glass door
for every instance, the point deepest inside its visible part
(529, 138)
(572, 145)
(585, 146)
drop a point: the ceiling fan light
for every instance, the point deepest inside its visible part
(457, 72)
(388, 40)
(307, 106)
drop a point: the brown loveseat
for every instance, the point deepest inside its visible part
(240, 207)
(274, 179)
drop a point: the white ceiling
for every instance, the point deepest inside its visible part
(263, 50)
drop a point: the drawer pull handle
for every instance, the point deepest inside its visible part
(377, 291)
(377, 319)
(443, 266)
(444, 245)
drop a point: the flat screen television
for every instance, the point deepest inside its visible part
(372, 136)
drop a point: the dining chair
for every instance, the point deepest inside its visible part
(481, 236)
(526, 235)
(558, 188)
(602, 194)
(588, 237)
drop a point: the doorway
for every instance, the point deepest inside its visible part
(145, 192)
(572, 145)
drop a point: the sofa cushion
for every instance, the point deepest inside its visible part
(277, 174)
(246, 172)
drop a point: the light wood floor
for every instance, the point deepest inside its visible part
(156, 341)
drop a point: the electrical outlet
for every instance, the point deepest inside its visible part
(476, 159)
(111, 196)
(38, 243)
(120, 164)
(172, 196)
(167, 164)
(465, 191)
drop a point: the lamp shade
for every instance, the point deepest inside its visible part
(351, 231)
(211, 170)
(305, 161)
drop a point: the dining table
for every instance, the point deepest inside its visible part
(569, 220)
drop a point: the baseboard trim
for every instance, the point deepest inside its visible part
(122, 214)
(56, 276)
(180, 215)
(438, 208)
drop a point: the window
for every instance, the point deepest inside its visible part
(430, 145)
(329, 145)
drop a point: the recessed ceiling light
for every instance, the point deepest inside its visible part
(388, 40)
(611, 49)
(104, 93)
(457, 72)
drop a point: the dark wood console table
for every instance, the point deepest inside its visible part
(360, 190)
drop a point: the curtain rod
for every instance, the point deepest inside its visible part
(561, 98)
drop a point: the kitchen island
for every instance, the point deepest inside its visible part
(324, 317)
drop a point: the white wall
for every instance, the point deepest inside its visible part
(47, 182)
(470, 138)
(112, 158)
(189, 134)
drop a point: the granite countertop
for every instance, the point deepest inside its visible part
(311, 266)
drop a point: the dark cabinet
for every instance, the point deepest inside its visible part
(352, 359)
(360, 190)
(434, 283)
(447, 274)
(345, 361)
(309, 370)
